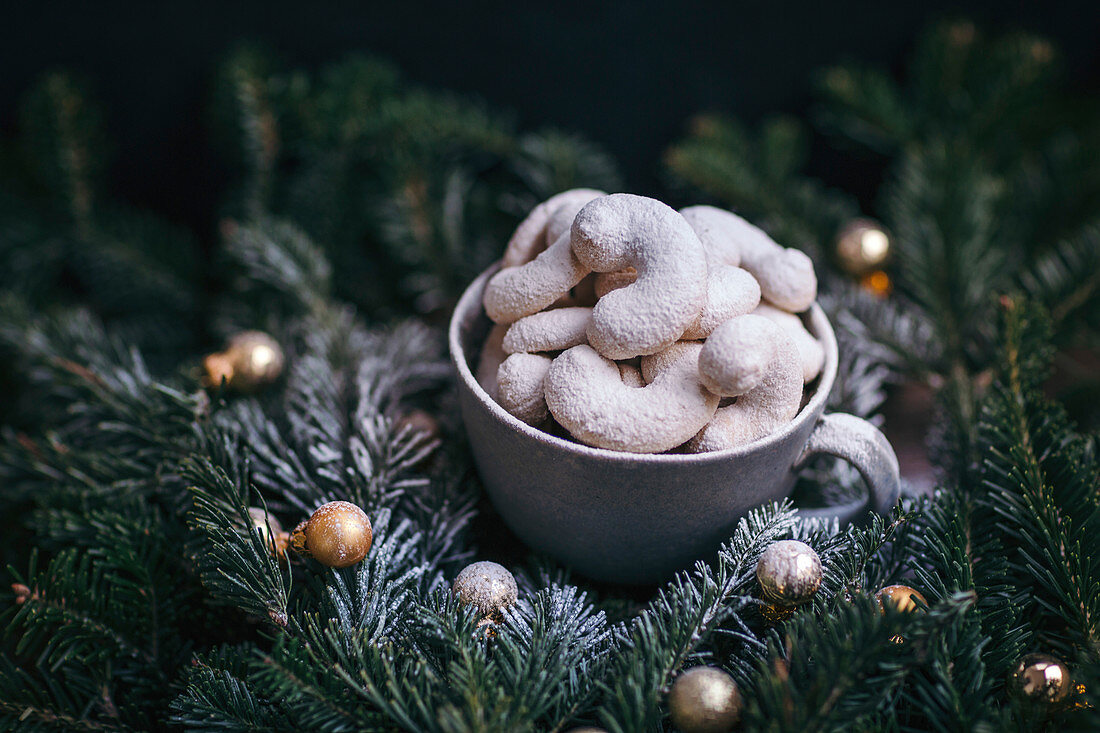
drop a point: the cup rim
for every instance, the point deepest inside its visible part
(469, 307)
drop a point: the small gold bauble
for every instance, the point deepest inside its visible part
(271, 532)
(900, 598)
(1041, 678)
(877, 283)
(251, 360)
(337, 535)
(862, 246)
(486, 585)
(704, 700)
(789, 573)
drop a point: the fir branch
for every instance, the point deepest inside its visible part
(235, 562)
(1041, 480)
(960, 550)
(844, 671)
(218, 696)
(758, 176)
(244, 99)
(550, 161)
(851, 559)
(552, 652)
(666, 635)
(1067, 279)
(279, 265)
(64, 132)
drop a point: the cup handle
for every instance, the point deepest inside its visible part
(865, 447)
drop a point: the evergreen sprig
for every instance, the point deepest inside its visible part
(152, 600)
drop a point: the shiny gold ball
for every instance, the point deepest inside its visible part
(271, 532)
(789, 573)
(704, 700)
(338, 534)
(862, 246)
(486, 585)
(900, 598)
(251, 360)
(1041, 678)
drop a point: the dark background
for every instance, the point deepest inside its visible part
(626, 74)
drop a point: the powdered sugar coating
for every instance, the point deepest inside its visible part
(561, 220)
(631, 375)
(623, 230)
(520, 387)
(717, 230)
(587, 396)
(786, 276)
(530, 236)
(582, 295)
(651, 366)
(608, 281)
(774, 391)
(516, 292)
(731, 292)
(552, 330)
(738, 355)
(810, 351)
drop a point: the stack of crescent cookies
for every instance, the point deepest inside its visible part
(639, 328)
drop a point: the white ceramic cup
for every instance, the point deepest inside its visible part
(637, 518)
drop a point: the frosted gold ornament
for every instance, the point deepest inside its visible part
(251, 360)
(488, 586)
(1041, 678)
(271, 532)
(704, 700)
(337, 535)
(789, 573)
(901, 598)
(862, 247)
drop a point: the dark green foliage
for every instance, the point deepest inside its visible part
(62, 244)
(411, 192)
(667, 634)
(150, 602)
(758, 176)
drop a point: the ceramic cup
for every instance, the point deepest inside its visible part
(637, 518)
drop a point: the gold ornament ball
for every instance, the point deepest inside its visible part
(488, 586)
(862, 246)
(337, 535)
(271, 532)
(1042, 678)
(900, 598)
(251, 360)
(789, 573)
(704, 700)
